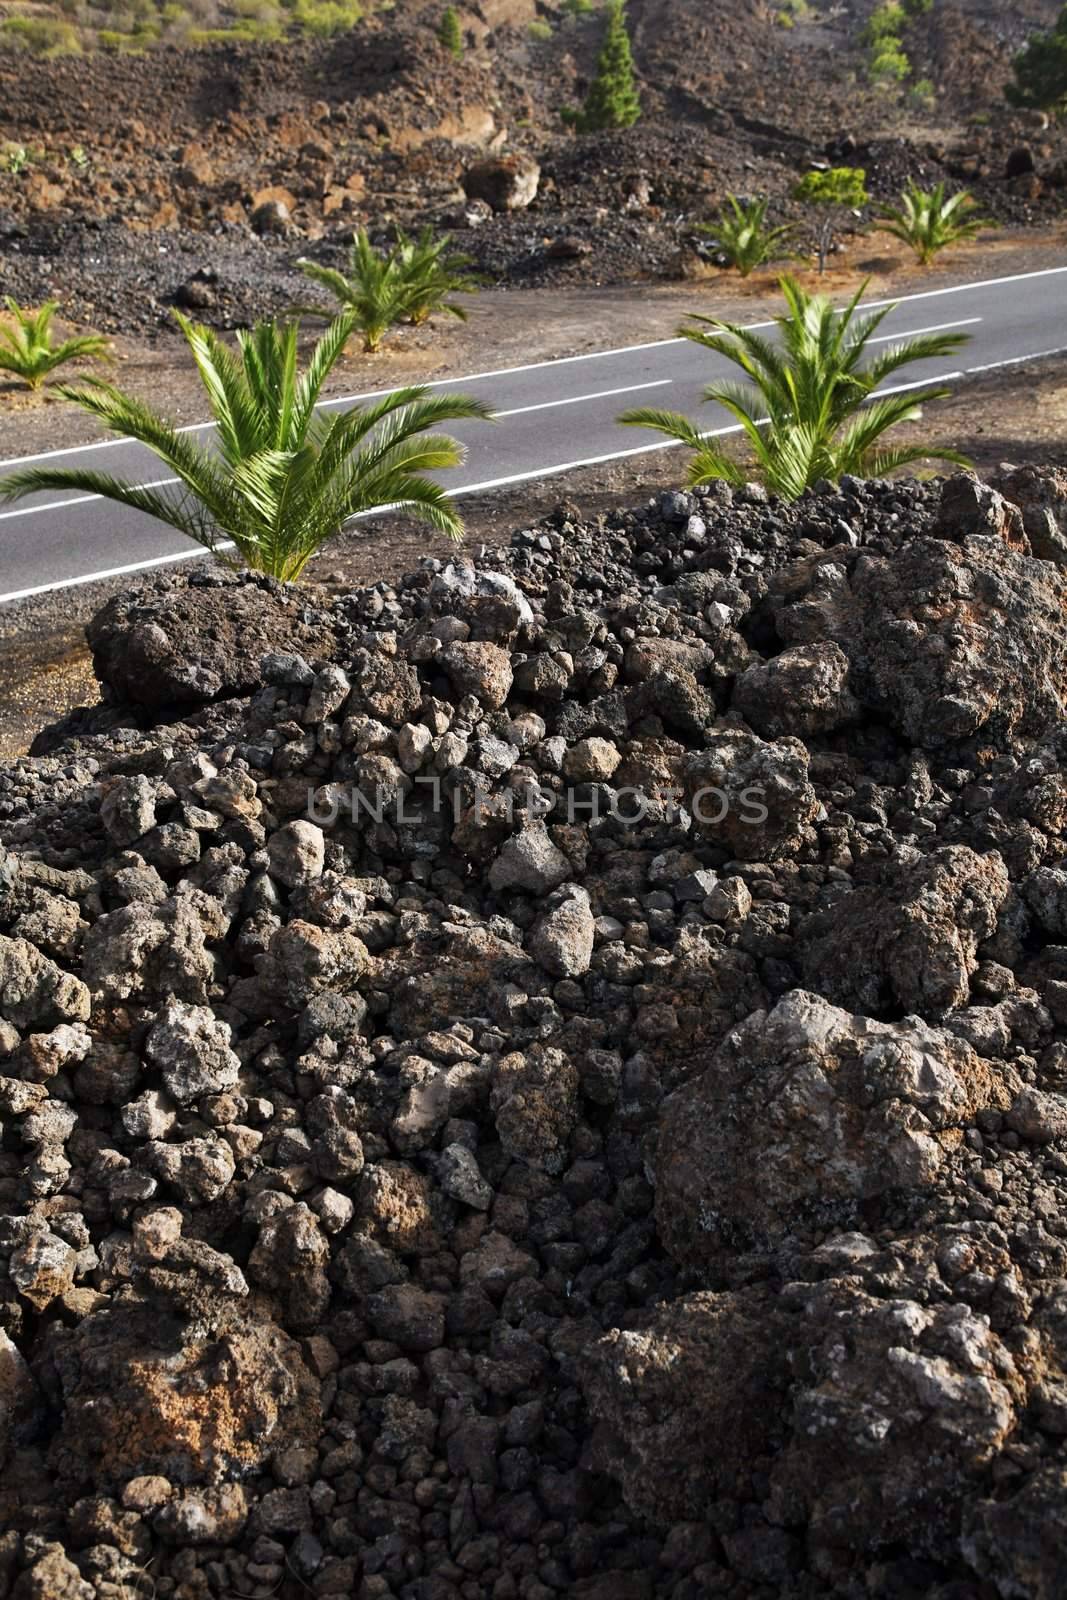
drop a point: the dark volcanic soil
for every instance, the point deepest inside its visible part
(380, 125)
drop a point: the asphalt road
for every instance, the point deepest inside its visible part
(552, 416)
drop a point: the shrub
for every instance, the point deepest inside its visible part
(27, 344)
(279, 478)
(833, 192)
(887, 22)
(540, 31)
(742, 234)
(44, 36)
(612, 101)
(929, 220)
(450, 33)
(888, 64)
(810, 408)
(1040, 70)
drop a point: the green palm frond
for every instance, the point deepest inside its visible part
(279, 478)
(27, 347)
(809, 408)
(742, 234)
(409, 282)
(930, 220)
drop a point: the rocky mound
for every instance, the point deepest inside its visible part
(561, 1087)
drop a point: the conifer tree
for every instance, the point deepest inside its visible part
(612, 101)
(451, 34)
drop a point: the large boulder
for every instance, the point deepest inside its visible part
(142, 1391)
(805, 1118)
(911, 941)
(184, 641)
(1040, 493)
(881, 1394)
(945, 640)
(507, 183)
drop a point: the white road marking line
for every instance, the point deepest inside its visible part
(1014, 361)
(522, 410)
(559, 361)
(454, 494)
(81, 500)
(915, 333)
(115, 572)
(601, 394)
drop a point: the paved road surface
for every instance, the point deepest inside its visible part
(552, 416)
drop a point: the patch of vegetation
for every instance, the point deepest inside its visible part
(832, 193)
(27, 344)
(929, 220)
(131, 27)
(1040, 70)
(44, 36)
(409, 282)
(450, 33)
(281, 477)
(790, 12)
(743, 235)
(808, 409)
(541, 31)
(887, 62)
(612, 101)
(14, 158)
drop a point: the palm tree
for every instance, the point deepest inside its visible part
(407, 282)
(26, 344)
(810, 409)
(742, 235)
(929, 220)
(435, 271)
(279, 478)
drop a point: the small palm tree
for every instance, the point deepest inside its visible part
(434, 271)
(929, 220)
(743, 236)
(279, 478)
(810, 409)
(27, 349)
(407, 282)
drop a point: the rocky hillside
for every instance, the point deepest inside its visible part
(197, 176)
(549, 1079)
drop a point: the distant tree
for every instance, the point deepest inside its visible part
(1041, 70)
(612, 101)
(917, 8)
(450, 33)
(833, 192)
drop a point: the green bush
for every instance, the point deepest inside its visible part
(42, 35)
(888, 64)
(281, 476)
(540, 30)
(1040, 70)
(917, 8)
(887, 22)
(833, 192)
(809, 409)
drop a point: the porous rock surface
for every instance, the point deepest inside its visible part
(561, 1089)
